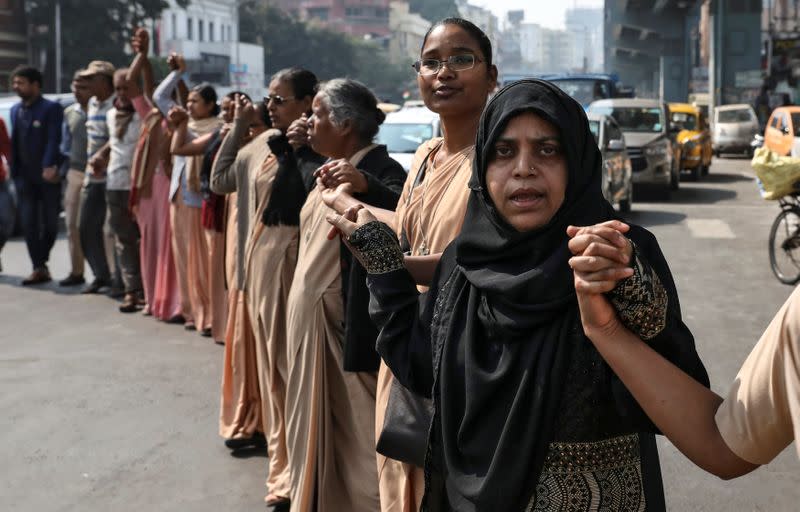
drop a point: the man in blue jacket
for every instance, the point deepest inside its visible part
(35, 139)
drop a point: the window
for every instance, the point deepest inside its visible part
(684, 121)
(230, 37)
(739, 116)
(796, 123)
(211, 31)
(614, 132)
(404, 137)
(320, 13)
(174, 26)
(634, 119)
(200, 28)
(189, 29)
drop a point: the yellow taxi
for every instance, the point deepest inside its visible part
(693, 136)
(783, 131)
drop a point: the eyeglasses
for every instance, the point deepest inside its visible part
(454, 62)
(278, 100)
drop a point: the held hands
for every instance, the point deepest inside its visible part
(140, 42)
(330, 196)
(243, 108)
(176, 62)
(339, 172)
(352, 219)
(601, 258)
(177, 116)
(98, 164)
(298, 132)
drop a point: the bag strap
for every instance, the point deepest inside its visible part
(405, 244)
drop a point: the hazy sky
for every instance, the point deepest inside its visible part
(549, 13)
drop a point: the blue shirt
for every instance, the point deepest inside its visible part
(35, 138)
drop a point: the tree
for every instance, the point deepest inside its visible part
(90, 30)
(434, 10)
(288, 42)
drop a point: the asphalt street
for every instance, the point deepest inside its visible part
(103, 411)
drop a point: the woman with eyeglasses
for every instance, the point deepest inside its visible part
(332, 360)
(455, 76)
(267, 177)
(526, 414)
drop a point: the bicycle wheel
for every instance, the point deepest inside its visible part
(784, 246)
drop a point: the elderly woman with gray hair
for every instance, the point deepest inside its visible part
(333, 365)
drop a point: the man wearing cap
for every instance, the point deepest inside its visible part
(97, 250)
(35, 137)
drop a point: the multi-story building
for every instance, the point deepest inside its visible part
(546, 50)
(408, 31)
(360, 18)
(481, 17)
(207, 34)
(532, 45)
(585, 25)
(13, 40)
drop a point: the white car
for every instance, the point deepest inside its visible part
(403, 131)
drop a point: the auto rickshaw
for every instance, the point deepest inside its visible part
(693, 136)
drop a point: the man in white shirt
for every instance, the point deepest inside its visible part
(124, 123)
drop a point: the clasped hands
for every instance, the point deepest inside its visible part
(601, 257)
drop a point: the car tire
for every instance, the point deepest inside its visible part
(675, 179)
(706, 169)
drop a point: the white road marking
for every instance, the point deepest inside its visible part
(709, 228)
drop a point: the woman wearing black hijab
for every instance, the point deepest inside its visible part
(527, 416)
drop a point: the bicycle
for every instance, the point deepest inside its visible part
(784, 241)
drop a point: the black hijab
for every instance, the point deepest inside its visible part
(506, 351)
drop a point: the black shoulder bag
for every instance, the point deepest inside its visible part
(407, 422)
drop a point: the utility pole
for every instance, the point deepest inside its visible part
(58, 46)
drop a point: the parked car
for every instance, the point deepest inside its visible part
(655, 158)
(403, 131)
(782, 134)
(694, 138)
(733, 129)
(617, 174)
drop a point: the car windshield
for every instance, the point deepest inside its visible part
(404, 137)
(584, 91)
(734, 116)
(634, 119)
(684, 120)
(594, 126)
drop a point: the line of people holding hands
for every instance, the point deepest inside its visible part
(482, 333)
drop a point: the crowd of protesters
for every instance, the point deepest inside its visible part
(481, 333)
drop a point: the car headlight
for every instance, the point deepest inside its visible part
(659, 150)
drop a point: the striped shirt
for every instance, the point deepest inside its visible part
(97, 133)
